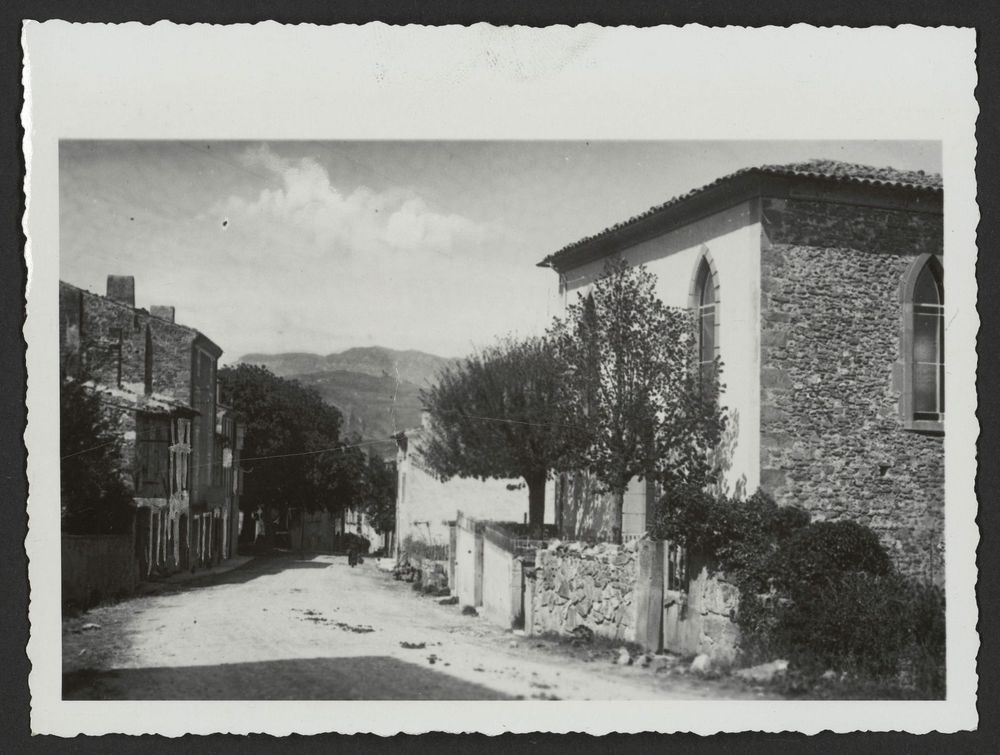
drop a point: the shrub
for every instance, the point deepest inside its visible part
(876, 627)
(741, 537)
(823, 595)
(421, 550)
(822, 551)
(94, 496)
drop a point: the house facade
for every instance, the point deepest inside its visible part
(324, 530)
(426, 506)
(180, 447)
(820, 286)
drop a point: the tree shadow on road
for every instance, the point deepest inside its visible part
(262, 566)
(345, 678)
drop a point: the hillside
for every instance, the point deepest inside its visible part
(362, 383)
(416, 367)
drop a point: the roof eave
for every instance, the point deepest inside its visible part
(687, 210)
(713, 198)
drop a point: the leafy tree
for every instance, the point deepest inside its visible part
(497, 415)
(633, 378)
(293, 452)
(380, 503)
(95, 498)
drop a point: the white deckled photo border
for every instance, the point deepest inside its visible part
(375, 82)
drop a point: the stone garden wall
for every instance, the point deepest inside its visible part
(700, 621)
(594, 586)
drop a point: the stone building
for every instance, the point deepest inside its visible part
(157, 382)
(820, 287)
(426, 505)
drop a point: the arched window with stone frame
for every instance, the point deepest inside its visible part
(922, 345)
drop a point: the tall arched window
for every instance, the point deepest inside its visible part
(706, 300)
(923, 345)
(928, 343)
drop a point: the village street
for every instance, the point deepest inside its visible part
(311, 627)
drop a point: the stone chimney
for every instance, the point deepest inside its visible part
(162, 311)
(121, 288)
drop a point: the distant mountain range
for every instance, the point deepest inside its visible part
(377, 389)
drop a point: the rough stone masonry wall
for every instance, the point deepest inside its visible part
(832, 439)
(89, 327)
(704, 617)
(592, 586)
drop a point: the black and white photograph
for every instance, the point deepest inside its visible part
(425, 414)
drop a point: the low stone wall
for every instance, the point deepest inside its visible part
(594, 586)
(97, 567)
(700, 621)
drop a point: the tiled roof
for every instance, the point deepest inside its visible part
(854, 173)
(129, 397)
(825, 170)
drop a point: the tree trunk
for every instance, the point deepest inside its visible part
(536, 501)
(617, 506)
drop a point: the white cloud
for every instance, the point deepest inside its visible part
(310, 206)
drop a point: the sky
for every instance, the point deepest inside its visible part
(322, 246)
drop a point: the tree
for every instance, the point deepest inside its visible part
(633, 379)
(380, 503)
(497, 415)
(95, 498)
(293, 454)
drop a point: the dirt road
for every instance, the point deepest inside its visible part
(287, 627)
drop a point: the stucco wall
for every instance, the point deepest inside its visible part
(426, 504)
(468, 565)
(502, 585)
(732, 239)
(589, 515)
(832, 436)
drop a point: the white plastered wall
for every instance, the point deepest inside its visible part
(732, 238)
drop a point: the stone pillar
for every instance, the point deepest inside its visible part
(478, 566)
(529, 603)
(452, 556)
(516, 591)
(649, 596)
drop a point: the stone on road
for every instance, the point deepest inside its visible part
(310, 627)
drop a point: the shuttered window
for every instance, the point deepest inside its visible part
(152, 456)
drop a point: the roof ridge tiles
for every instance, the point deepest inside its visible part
(821, 169)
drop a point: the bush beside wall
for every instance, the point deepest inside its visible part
(823, 595)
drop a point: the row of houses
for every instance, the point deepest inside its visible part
(820, 286)
(180, 446)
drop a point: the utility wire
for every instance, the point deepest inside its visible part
(509, 421)
(351, 445)
(88, 450)
(319, 451)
